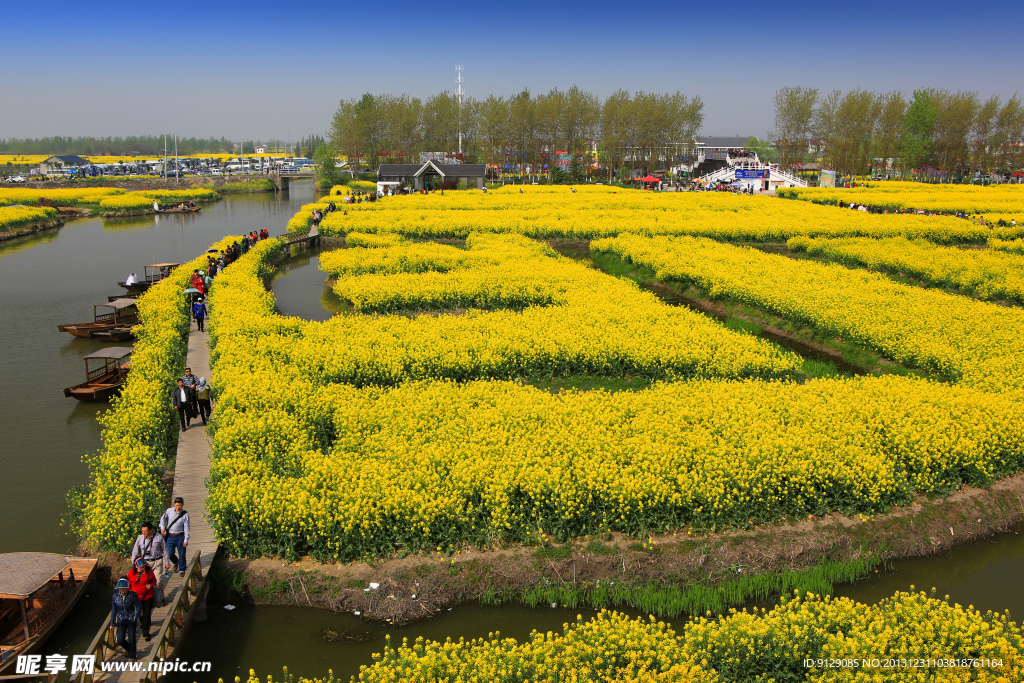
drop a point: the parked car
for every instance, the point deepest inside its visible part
(15, 179)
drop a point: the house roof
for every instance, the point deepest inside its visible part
(714, 142)
(69, 159)
(397, 169)
(447, 170)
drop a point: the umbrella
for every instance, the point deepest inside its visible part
(191, 290)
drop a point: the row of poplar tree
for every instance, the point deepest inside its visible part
(639, 130)
(860, 131)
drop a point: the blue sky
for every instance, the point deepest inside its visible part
(258, 69)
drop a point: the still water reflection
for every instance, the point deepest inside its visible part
(55, 278)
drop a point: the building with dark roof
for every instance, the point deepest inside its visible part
(421, 176)
(61, 164)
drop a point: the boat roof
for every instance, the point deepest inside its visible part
(161, 265)
(21, 574)
(120, 303)
(111, 352)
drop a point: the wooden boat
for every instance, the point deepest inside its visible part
(106, 316)
(155, 272)
(178, 209)
(37, 591)
(106, 371)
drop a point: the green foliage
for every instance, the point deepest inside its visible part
(918, 128)
(326, 172)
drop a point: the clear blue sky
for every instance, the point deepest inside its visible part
(259, 69)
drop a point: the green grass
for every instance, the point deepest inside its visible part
(670, 601)
(823, 369)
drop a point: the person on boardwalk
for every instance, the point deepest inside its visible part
(174, 526)
(150, 546)
(204, 397)
(142, 581)
(191, 382)
(199, 312)
(182, 403)
(124, 617)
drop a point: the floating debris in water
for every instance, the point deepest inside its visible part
(330, 635)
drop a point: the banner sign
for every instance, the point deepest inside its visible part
(827, 179)
(752, 173)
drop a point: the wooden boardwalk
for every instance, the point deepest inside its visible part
(170, 621)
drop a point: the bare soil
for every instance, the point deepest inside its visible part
(418, 586)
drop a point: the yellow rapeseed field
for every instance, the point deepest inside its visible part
(313, 456)
(553, 213)
(906, 638)
(987, 274)
(12, 217)
(993, 202)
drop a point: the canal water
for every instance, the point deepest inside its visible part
(57, 277)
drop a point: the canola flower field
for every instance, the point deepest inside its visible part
(391, 427)
(352, 455)
(595, 212)
(12, 217)
(951, 337)
(988, 274)
(1010, 246)
(993, 202)
(908, 637)
(110, 199)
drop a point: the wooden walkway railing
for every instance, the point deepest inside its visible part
(173, 618)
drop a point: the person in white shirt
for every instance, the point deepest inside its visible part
(174, 525)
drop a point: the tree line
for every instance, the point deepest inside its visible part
(636, 130)
(860, 131)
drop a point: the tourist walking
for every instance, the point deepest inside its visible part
(182, 403)
(124, 617)
(199, 312)
(191, 382)
(142, 581)
(150, 547)
(204, 397)
(174, 526)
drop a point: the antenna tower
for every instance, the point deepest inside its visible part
(459, 80)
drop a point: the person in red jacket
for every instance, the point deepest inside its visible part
(142, 581)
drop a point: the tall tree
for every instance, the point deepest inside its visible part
(794, 114)
(916, 138)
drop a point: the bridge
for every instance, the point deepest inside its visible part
(283, 178)
(184, 597)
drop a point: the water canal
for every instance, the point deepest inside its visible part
(57, 277)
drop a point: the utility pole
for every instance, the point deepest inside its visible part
(458, 82)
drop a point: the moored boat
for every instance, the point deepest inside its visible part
(179, 209)
(106, 371)
(106, 316)
(37, 591)
(155, 272)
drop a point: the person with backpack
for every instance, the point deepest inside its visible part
(174, 526)
(199, 312)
